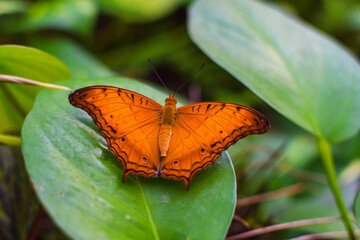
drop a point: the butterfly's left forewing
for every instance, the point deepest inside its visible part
(129, 121)
(203, 131)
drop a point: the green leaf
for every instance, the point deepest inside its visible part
(80, 62)
(12, 7)
(140, 10)
(16, 100)
(75, 16)
(356, 207)
(79, 180)
(303, 74)
(353, 18)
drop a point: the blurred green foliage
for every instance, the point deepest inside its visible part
(125, 44)
(102, 38)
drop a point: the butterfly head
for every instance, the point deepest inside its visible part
(171, 100)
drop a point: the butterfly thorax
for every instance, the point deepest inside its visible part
(167, 121)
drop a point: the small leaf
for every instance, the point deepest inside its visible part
(80, 62)
(79, 180)
(356, 207)
(16, 100)
(75, 16)
(12, 7)
(140, 10)
(303, 74)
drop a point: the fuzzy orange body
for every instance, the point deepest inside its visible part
(167, 122)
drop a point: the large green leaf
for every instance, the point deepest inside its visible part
(79, 180)
(16, 100)
(303, 74)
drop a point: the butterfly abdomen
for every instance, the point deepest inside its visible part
(167, 121)
(164, 138)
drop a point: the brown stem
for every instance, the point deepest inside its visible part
(327, 235)
(33, 234)
(241, 221)
(287, 191)
(283, 226)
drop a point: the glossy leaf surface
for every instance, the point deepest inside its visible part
(79, 180)
(302, 73)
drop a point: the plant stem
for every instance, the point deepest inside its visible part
(328, 163)
(286, 191)
(20, 80)
(10, 140)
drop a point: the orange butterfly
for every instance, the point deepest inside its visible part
(154, 140)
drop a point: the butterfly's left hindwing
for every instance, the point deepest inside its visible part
(203, 130)
(129, 121)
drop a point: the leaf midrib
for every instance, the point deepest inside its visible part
(152, 223)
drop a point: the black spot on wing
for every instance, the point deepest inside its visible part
(112, 129)
(208, 107)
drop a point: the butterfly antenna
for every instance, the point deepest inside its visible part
(153, 68)
(191, 77)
